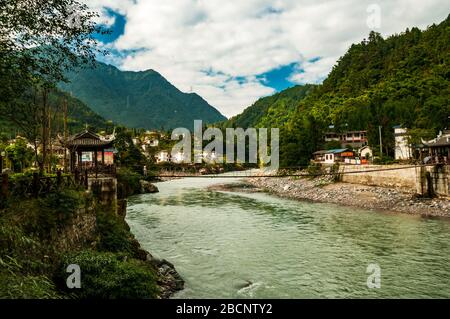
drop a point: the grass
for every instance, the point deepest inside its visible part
(31, 266)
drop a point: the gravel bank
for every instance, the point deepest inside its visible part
(368, 197)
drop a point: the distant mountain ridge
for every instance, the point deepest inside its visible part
(143, 99)
(403, 79)
(271, 111)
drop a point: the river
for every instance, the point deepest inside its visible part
(254, 245)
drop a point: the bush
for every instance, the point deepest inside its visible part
(15, 285)
(55, 210)
(314, 170)
(128, 182)
(13, 240)
(113, 234)
(110, 276)
(384, 160)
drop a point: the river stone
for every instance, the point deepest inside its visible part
(147, 187)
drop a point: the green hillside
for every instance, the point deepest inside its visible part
(403, 79)
(79, 115)
(138, 99)
(271, 111)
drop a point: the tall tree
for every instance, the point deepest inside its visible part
(40, 40)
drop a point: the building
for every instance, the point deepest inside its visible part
(343, 155)
(163, 156)
(365, 154)
(90, 151)
(353, 139)
(439, 148)
(403, 149)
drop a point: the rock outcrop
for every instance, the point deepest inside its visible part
(147, 187)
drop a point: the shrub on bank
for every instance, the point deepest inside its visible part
(128, 182)
(16, 285)
(314, 170)
(383, 160)
(110, 276)
(114, 235)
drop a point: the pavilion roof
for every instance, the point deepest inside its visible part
(89, 139)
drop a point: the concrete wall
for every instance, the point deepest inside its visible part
(404, 177)
(105, 189)
(438, 177)
(399, 178)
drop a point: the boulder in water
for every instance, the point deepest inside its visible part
(147, 187)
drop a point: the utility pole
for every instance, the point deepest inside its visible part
(381, 141)
(65, 133)
(50, 139)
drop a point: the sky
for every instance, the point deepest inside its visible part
(236, 51)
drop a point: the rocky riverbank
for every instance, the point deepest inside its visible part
(326, 191)
(168, 279)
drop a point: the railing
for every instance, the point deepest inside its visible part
(35, 185)
(109, 170)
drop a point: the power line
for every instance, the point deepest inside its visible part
(294, 175)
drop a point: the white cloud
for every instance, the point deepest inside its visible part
(204, 45)
(313, 72)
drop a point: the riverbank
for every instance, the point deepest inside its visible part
(255, 245)
(168, 279)
(41, 236)
(324, 190)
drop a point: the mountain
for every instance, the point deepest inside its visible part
(138, 99)
(79, 115)
(271, 111)
(401, 80)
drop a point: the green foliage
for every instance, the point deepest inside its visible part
(111, 276)
(128, 155)
(401, 80)
(138, 99)
(332, 145)
(31, 267)
(271, 111)
(128, 182)
(79, 114)
(53, 212)
(114, 235)
(315, 169)
(21, 265)
(383, 160)
(19, 154)
(14, 285)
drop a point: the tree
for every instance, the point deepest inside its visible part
(40, 40)
(19, 154)
(128, 154)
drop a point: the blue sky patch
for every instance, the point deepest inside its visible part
(117, 29)
(279, 78)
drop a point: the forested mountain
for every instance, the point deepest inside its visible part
(400, 80)
(138, 99)
(78, 115)
(271, 111)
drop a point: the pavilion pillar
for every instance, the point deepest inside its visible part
(79, 159)
(103, 156)
(72, 160)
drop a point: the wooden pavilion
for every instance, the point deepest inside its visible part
(87, 152)
(439, 148)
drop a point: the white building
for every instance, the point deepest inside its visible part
(366, 152)
(402, 146)
(162, 157)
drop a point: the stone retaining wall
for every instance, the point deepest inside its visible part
(404, 177)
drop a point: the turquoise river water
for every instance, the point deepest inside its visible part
(255, 245)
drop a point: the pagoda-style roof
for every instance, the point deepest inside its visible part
(441, 141)
(88, 139)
